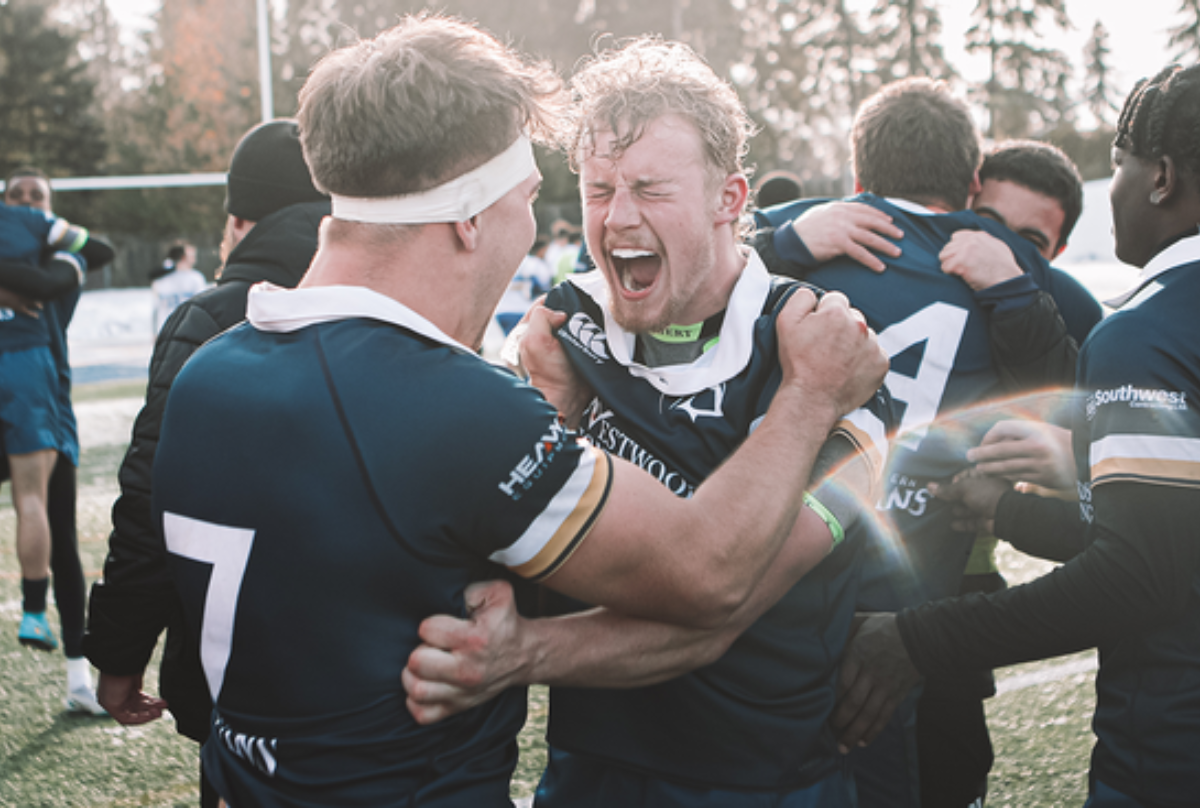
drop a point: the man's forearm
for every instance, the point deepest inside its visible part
(1137, 570)
(739, 500)
(57, 278)
(601, 648)
(1032, 347)
(1042, 527)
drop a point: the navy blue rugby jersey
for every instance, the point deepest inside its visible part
(755, 719)
(1137, 447)
(937, 337)
(24, 232)
(329, 475)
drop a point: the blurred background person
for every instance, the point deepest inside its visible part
(533, 279)
(179, 281)
(37, 332)
(777, 187)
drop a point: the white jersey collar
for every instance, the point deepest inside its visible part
(911, 207)
(728, 357)
(274, 308)
(1184, 251)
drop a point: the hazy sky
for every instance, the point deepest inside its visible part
(1137, 32)
(1137, 35)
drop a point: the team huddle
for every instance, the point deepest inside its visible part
(735, 498)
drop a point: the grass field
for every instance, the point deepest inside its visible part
(49, 758)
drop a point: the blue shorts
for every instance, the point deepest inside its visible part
(29, 415)
(581, 781)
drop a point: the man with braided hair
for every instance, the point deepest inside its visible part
(1131, 586)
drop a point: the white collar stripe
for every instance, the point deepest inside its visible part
(276, 309)
(720, 364)
(1184, 251)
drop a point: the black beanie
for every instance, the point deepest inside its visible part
(268, 172)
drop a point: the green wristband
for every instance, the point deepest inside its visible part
(831, 521)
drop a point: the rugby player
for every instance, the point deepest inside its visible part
(915, 156)
(344, 465)
(273, 212)
(1035, 190)
(1132, 590)
(672, 361)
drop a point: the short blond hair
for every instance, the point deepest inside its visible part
(627, 87)
(423, 102)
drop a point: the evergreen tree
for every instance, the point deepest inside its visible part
(1098, 91)
(46, 97)
(197, 95)
(908, 32)
(808, 65)
(100, 46)
(1026, 90)
(1185, 37)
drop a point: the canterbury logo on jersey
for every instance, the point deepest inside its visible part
(689, 405)
(588, 337)
(533, 464)
(1138, 398)
(601, 431)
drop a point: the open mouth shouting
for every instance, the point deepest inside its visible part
(636, 269)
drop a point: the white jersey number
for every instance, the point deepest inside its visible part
(940, 326)
(228, 550)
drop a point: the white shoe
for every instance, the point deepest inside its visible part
(83, 700)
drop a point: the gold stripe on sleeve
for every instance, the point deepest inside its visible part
(574, 528)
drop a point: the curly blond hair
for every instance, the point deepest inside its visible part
(626, 87)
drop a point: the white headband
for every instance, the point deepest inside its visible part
(453, 201)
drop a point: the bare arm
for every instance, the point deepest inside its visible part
(980, 259)
(852, 229)
(467, 662)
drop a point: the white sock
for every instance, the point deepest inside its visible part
(79, 673)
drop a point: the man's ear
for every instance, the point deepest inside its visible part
(1166, 179)
(976, 187)
(735, 192)
(467, 232)
(858, 189)
(1060, 249)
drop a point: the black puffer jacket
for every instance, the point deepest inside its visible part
(136, 599)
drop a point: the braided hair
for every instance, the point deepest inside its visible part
(1161, 117)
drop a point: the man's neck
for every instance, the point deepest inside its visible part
(423, 273)
(731, 260)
